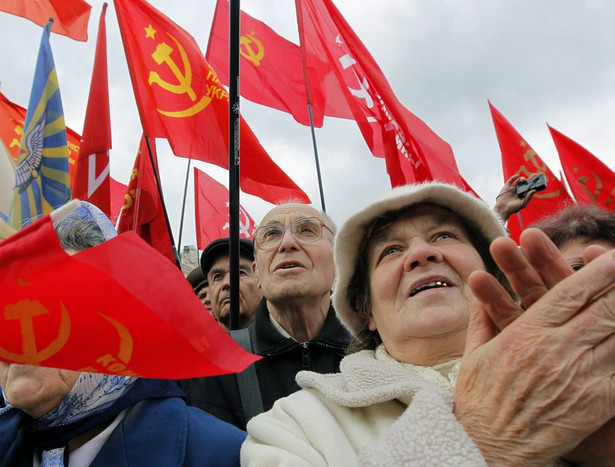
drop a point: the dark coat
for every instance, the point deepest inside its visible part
(160, 432)
(282, 359)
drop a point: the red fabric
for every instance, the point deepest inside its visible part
(211, 207)
(92, 166)
(142, 211)
(180, 98)
(70, 17)
(12, 117)
(413, 152)
(590, 180)
(118, 196)
(272, 70)
(519, 158)
(118, 308)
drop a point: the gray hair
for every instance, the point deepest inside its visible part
(78, 234)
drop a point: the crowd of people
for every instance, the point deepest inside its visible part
(417, 334)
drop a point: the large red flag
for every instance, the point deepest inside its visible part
(142, 211)
(413, 152)
(211, 207)
(272, 70)
(519, 158)
(181, 98)
(12, 117)
(118, 308)
(70, 17)
(92, 166)
(590, 180)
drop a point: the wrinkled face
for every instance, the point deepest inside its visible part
(219, 289)
(203, 296)
(418, 269)
(295, 270)
(573, 250)
(33, 389)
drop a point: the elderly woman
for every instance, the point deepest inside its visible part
(406, 270)
(402, 269)
(57, 417)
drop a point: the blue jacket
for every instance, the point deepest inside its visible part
(165, 433)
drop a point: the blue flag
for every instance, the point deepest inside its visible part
(42, 181)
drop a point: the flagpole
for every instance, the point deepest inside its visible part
(308, 95)
(164, 208)
(234, 156)
(181, 220)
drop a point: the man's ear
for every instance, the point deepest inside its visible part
(256, 274)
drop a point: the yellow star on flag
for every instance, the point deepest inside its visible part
(149, 32)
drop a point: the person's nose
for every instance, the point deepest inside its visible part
(288, 242)
(226, 281)
(420, 253)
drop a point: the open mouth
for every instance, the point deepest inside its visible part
(429, 285)
(288, 266)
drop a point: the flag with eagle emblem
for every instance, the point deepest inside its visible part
(41, 175)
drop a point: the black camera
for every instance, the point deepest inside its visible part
(537, 182)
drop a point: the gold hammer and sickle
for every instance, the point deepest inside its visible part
(583, 182)
(245, 43)
(126, 343)
(161, 55)
(25, 311)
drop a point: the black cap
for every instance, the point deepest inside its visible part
(221, 246)
(197, 279)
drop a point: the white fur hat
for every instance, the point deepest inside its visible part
(472, 210)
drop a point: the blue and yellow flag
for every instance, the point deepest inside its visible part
(41, 176)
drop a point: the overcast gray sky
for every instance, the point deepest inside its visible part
(537, 61)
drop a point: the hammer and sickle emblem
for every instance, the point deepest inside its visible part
(583, 182)
(532, 157)
(25, 311)
(161, 55)
(247, 51)
(126, 343)
(244, 227)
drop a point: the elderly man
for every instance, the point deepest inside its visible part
(295, 327)
(216, 267)
(199, 284)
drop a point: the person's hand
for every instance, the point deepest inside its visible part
(507, 202)
(532, 270)
(536, 390)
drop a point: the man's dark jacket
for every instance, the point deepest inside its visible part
(282, 359)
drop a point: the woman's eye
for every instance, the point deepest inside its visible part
(443, 235)
(576, 266)
(390, 250)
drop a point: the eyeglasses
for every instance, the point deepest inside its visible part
(305, 230)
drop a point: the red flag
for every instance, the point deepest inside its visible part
(211, 211)
(413, 152)
(590, 180)
(12, 117)
(118, 196)
(272, 70)
(118, 308)
(181, 98)
(142, 211)
(519, 158)
(92, 167)
(70, 17)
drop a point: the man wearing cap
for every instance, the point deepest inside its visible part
(295, 328)
(199, 284)
(215, 265)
